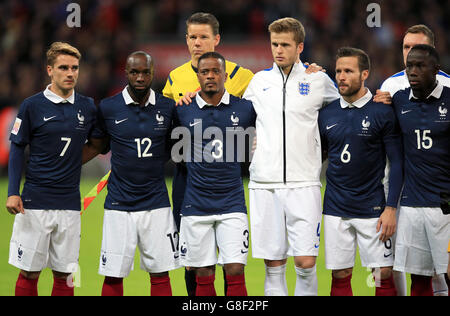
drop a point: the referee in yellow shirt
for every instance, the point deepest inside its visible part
(202, 36)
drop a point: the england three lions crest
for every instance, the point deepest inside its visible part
(304, 88)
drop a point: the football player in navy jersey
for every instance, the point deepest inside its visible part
(214, 214)
(414, 35)
(55, 124)
(135, 124)
(357, 134)
(422, 112)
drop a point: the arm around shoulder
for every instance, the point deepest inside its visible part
(93, 147)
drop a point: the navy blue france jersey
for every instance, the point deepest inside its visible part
(357, 139)
(425, 127)
(214, 183)
(55, 133)
(139, 143)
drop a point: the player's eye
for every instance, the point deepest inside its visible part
(62, 67)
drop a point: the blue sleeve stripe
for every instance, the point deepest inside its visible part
(398, 74)
(234, 71)
(170, 80)
(443, 74)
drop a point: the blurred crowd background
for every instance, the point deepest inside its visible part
(111, 29)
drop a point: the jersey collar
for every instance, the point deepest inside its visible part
(358, 103)
(435, 93)
(129, 100)
(53, 97)
(297, 67)
(202, 103)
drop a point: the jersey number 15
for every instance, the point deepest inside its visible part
(423, 140)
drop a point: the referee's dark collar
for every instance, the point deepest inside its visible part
(194, 68)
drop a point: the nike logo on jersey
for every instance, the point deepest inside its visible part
(118, 122)
(195, 123)
(265, 89)
(331, 126)
(387, 255)
(49, 118)
(407, 111)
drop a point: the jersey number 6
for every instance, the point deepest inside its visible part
(345, 155)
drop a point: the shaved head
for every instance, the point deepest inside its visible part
(139, 54)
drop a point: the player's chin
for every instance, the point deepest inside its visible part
(69, 84)
(344, 90)
(281, 63)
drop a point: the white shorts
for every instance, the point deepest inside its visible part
(343, 235)
(46, 238)
(154, 232)
(200, 236)
(422, 237)
(285, 222)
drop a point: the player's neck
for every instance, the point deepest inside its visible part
(60, 92)
(139, 96)
(213, 99)
(287, 69)
(355, 97)
(194, 63)
(422, 94)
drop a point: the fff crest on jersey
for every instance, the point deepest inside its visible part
(234, 119)
(159, 118)
(304, 88)
(442, 110)
(365, 124)
(80, 118)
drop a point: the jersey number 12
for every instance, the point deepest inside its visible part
(143, 141)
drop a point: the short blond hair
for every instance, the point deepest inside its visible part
(60, 48)
(425, 30)
(287, 25)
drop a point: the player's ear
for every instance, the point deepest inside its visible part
(49, 70)
(300, 47)
(216, 40)
(436, 68)
(365, 74)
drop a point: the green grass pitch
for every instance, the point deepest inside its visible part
(137, 283)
